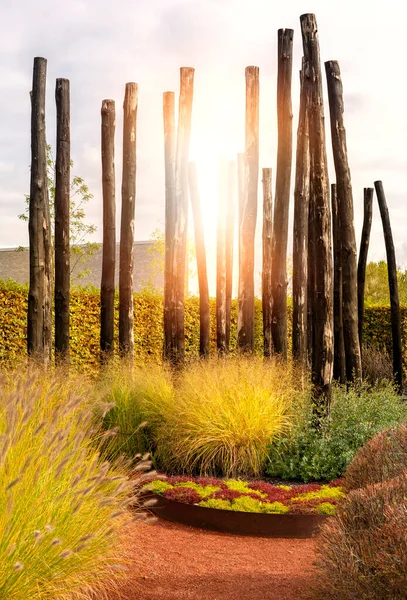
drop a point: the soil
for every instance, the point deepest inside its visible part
(176, 562)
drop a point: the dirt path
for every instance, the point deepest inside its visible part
(175, 562)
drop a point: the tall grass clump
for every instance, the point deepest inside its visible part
(223, 416)
(356, 416)
(61, 508)
(129, 391)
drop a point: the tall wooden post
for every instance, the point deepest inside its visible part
(245, 335)
(107, 286)
(126, 305)
(204, 313)
(393, 287)
(62, 202)
(311, 277)
(266, 284)
(221, 261)
(282, 199)
(230, 238)
(300, 233)
(170, 215)
(345, 210)
(38, 303)
(177, 351)
(339, 342)
(323, 304)
(363, 251)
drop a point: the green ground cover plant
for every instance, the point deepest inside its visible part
(251, 496)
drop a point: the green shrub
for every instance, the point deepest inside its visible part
(223, 416)
(60, 508)
(306, 454)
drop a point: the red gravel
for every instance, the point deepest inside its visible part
(176, 562)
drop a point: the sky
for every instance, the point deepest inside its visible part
(100, 45)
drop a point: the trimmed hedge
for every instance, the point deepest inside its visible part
(148, 325)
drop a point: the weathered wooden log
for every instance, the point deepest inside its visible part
(311, 276)
(300, 232)
(177, 351)
(221, 261)
(204, 311)
(230, 238)
(393, 287)
(38, 344)
(62, 211)
(282, 197)
(170, 216)
(323, 303)
(266, 283)
(363, 251)
(245, 335)
(107, 286)
(339, 342)
(345, 210)
(126, 303)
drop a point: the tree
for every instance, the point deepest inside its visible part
(81, 250)
(377, 284)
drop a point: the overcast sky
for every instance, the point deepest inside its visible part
(100, 45)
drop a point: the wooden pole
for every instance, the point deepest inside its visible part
(345, 210)
(300, 233)
(38, 200)
(245, 336)
(323, 304)
(204, 313)
(311, 276)
(266, 286)
(181, 210)
(230, 238)
(393, 287)
(363, 251)
(282, 199)
(221, 261)
(107, 286)
(339, 342)
(62, 202)
(170, 214)
(126, 305)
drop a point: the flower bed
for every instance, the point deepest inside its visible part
(255, 497)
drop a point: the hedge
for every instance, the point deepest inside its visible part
(148, 325)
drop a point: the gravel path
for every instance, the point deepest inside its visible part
(176, 562)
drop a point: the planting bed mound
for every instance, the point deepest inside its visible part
(245, 508)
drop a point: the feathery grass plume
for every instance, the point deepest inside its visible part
(223, 416)
(56, 539)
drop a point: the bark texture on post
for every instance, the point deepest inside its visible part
(107, 286)
(170, 215)
(393, 287)
(300, 232)
(62, 202)
(339, 342)
(345, 210)
(204, 312)
(126, 304)
(221, 261)
(266, 287)
(177, 350)
(248, 213)
(323, 303)
(311, 276)
(230, 238)
(38, 288)
(282, 196)
(363, 251)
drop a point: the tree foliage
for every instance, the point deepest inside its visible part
(377, 284)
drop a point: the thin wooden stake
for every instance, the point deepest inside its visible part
(62, 205)
(221, 261)
(266, 287)
(393, 287)
(230, 238)
(204, 312)
(363, 251)
(107, 287)
(126, 303)
(339, 342)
